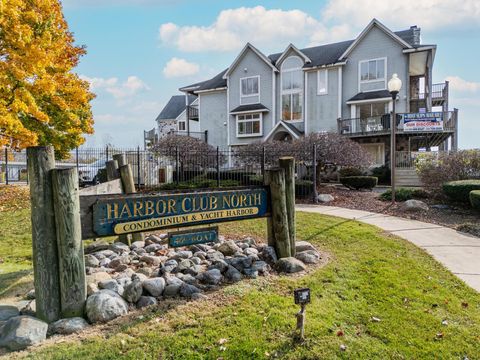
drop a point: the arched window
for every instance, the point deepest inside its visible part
(292, 88)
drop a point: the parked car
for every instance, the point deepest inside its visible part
(90, 174)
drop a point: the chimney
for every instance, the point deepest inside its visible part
(416, 34)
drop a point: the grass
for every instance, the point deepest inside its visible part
(369, 275)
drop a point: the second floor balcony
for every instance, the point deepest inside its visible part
(408, 123)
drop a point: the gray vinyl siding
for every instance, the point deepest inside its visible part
(375, 44)
(213, 115)
(322, 109)
(250, 65)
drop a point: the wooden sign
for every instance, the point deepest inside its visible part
(122, 214)
(193, 236)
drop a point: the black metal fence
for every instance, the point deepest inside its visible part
(172, 168)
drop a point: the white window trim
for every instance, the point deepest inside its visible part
(326, 82)
(178, 125)
(285, 92)
(360, 81)
(249, 120)
(242, 96)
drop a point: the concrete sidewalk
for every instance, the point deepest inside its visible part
(458, 252)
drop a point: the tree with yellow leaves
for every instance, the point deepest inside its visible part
(42, 101)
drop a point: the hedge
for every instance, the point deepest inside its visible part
(359, 182)
(459, 191)
(475, 199)
(303, 188)
(202, 184)
(404, 194)
(350, 171)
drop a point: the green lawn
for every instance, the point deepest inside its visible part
(370, 274)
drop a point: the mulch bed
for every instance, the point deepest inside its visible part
(451, 216)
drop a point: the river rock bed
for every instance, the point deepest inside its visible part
(121, 278)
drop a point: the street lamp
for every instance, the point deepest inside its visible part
(394, 86)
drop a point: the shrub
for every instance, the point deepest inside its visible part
(404, 194)
(434, 169)
(350, 171)
(303, 188)
(359, 182)
(382, 173)
(475, 199)
(459, 191)
(198, 184)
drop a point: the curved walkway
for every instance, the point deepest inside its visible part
(458, 252)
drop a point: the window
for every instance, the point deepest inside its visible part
(249, 125)
(372, 109)
(372, 70)
(182, 125)
(249, 86)
(292, 88)
(322, 81)
(376, 151)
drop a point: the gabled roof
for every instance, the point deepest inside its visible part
(175, 106)
(217, 82)
(386, 30)
(370, 95)
(249, 46)
(288, 127)
(292, 47)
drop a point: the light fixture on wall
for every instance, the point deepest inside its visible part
(394, 87)
(245, 69)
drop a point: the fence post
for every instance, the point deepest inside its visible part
(288, 164)
(314, 163)
(270, 232)
(6, 165)
(76, 157)
(177, 168)
(106, 153)
(66, 201)
(206, 136)
(138, 167)
(218, 167)
(279, 212)
(41, 161)
(262, 165)
(121, 160)
(129, 188)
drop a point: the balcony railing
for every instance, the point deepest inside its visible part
(439, 91)
(192, 112)
(380, 125)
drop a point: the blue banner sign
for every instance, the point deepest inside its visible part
(193, 236)
(428, 121)
(124, 214)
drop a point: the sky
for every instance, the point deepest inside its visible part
(139, 52)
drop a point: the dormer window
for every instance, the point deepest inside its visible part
(292, 89)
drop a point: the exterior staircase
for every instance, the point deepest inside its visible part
(406, 177)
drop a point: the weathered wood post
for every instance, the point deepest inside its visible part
(270, 231)
(279, 212)
(121, 160)
(288, 164)
(73, 288)
(41, 161)
(129, 188)
(112, 170)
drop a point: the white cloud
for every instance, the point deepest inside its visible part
(429, 14)
(234, 27)
(459, 84)
(176, 67)
(129, 87)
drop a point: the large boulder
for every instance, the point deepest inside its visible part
(154, 286)
(414, 206)
(289, 265)
(105, 305)
(303, 245)
(269, 255)
(308, 256)
(187, 290)
(210, 277)
(133, 290)
(20, 332)
(325, 198)
(228, 248)
(8, 311)
(232, 275)
(67, 326)
(146, 301)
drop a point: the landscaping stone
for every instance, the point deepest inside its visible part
(250, 273)
(105, 305)
(147, 271)
(210, 277)
(91, 261)
(183, 254)
(96, 246)
(146, 301)
(240, 263)
(196, 260)
(153, 247)
(201, 255)
(414, 206)
(8, 311)
(111, 284)
(184, 265)
(20, 332)
(134, 290)
(29, 309)
(151, 260)
(261, 266)
(215, 255)
(30, 295)
(250, 251)
(228, 248)
(303, 245)
(119, 247)
(97, 277)
(325, 198)
(91, 288)
(118, 261)
(289, 265)
(269, 255)
(105, 262)
(198, 296)
(67, 326)
(154, 286)
(137, 245)
(220, 265)
(187, 290)
(308, 256)
(232, 275)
